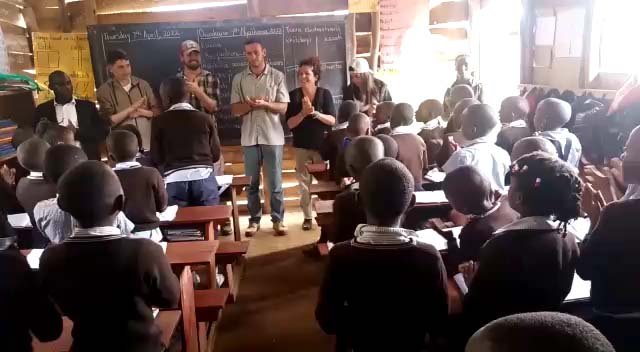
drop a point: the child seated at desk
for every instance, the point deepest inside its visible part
(609, 258)
(25, 306)
(390, 146)
(382, 118)
(143, 187)
(52, 221)
(55, 134)
(383, 291)
(479, 128)
(551, 116)
(513, 114)
(33, 188)
(528, 265)
(142, 156)
(452, 138)
(332, 143)
(104, 282)
(529, 145)
(359, 125)
(470, 194)
(412, 151)
(430, 113)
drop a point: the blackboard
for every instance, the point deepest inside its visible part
(153, 50)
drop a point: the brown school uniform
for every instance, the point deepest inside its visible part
(433, 139)
(609, 258)
(331, 146)
(521, 269)
(412, 152)
(349, 213)
(107, 284)
(31, 191)
(509, 136)
(145, 194)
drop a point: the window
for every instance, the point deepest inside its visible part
(614, 26)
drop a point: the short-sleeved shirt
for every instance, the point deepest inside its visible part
(310, 133)
(260, 126)
(113, 98)
(209, 83)
(492, 161)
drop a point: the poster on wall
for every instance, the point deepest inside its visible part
(4, 56)
(68, 52)
(397, 17)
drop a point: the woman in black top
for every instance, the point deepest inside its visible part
(310, 115)
(364, 88)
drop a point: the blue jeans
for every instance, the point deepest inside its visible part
(194, 193)
(271, 157)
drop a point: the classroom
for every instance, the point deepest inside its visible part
(435, 176)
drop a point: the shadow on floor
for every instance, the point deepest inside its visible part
(275, 308)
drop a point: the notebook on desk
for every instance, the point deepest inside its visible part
(430, 197)
(19, 220)
(224, 182)
(433, 238)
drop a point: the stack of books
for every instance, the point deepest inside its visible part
(7, 129)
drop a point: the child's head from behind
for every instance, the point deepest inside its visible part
(122, 145)
(91, 193)
(31, 154)
(529, 145)
(133, 129)
(390, 146)
(386, 188)
(361, 152)
(544, 185)
(402, 115)
(513, 108)
(428, 110)
(383, 112)
(54, 134)
(456, 115)
(478, 120)
(468, 191)
(347, 109)
(551, 114)
(359, 125)
(60, 159)
(459, 92)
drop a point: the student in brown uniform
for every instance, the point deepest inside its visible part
(609, 257)
(513, 114)
(347, 207)
(452, 138)
(104, 282)
(26, 308)
(332, 143)
(430, 113)
(528, 265)
(384, 263)
(529, 145)
(359, 125)
(143, 187)
(390, 146)
(412, 151)
(382, 117)
(470, 194)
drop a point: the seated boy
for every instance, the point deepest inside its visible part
(332, 143)
(470, 194)
(33, 188)
(359, 125)
(390, 146)
(52, 221)
(142, 156)
(381, 118)
(25, 306)
(384, 263)
(457, 93)
(430, 113)
(530, 145)
(479, 127)
(536, 332)
(55, 134)
(412, 151)
(513, 114)
(347, 207)
(184, 146)
(453, 138)
(103, 281)
(143, 186)
(551, 115)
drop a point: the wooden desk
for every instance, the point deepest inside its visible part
(325, 190)
(194, 253)
(205, 218)
(319, 171)
(324, 212)
(237, 185)
(231, 254)
(167, 321)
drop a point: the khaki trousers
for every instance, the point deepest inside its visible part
(304, 157)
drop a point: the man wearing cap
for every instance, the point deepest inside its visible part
(364, 88)
(258, 96)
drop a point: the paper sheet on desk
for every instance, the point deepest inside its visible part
(33, 258)
(19, 220)
(168, 214)
(580, 289)
(430, 197)
(224, 182)
(435, 239)
(435, 176)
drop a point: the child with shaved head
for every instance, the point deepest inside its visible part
(430, 113)
(332, 143)
(513, 114)
(359, 125)
(383, 263)
(382, 118)
(98, 266)
(530, 145)
(412, 151)
(551, 116)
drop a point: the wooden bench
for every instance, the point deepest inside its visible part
(203, 218)
(230, 255)
(325, 190)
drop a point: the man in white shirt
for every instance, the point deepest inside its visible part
(480, 127)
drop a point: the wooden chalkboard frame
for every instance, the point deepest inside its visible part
(228, 126)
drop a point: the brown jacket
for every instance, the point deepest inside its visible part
(412, 152)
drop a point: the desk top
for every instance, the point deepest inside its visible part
(192, 252)
(325, 186)
(200, 215)
(317, 168)
(241, 181)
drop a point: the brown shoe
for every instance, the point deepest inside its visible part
(252, 229)
(280, 229)
(307, 224)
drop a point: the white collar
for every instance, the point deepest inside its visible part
(488, 212)
(518, 123)
(72, 102)
(100, 231)
(181, 106)
(370, 234)
(555, 133)
(127, 165)
(341, 126)
(411, 129)
(531, 223)
(490, 138)
(34, 175)
(383, 125)
(435, 123)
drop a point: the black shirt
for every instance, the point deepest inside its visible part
(310, 133)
